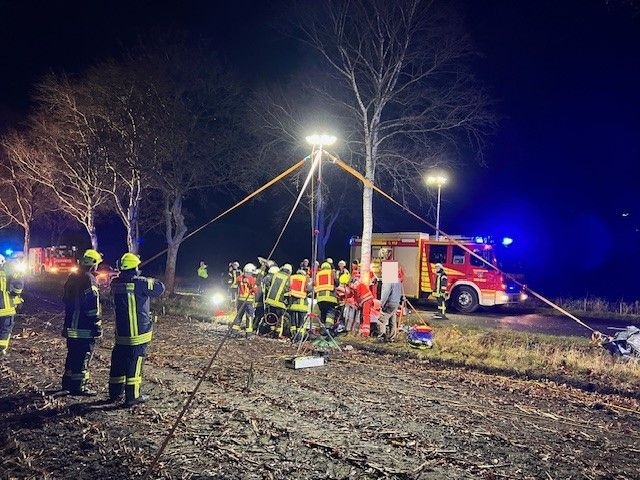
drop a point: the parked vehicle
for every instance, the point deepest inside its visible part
(105, 273)
(471, 282)
(54, 260)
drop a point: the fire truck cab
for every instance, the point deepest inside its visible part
(471, 282)
(58, 259)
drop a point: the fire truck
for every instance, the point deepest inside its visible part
(472, 283)
(54, 260)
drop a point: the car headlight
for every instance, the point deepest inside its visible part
(523, 296)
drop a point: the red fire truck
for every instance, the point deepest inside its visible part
(58, 259)
(471, 282)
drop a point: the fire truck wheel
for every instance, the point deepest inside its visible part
(464, 299)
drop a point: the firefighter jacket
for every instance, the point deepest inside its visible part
(81, 299)
(232, 279)
(202, 272)
(343, 277)
(441, 284)
(278, 287)
(131, 299)
(10, 290)
(325, 286)
(298, 288)
(247, 288)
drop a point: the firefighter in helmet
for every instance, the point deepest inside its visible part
(275, 297)
(232, 281)
(343, 277)
(203, 275)
(134, 329)
(11, 285)
(440, 291)
(247, 289)
(82, 323)
(325, 287)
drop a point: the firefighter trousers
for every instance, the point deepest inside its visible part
(276, 328)
(296, 322)
(244, 317)
(126, 371)
(442, 305)
(327, 313)
(6, 326)
(76, 366)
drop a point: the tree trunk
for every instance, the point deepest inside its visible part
(170, 268)
(367, 212)
(27, 239)
(175, 230)
(91, 230)
(133, 230)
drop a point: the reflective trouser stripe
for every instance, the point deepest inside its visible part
(136, 380)
(133, 314)
(77, 376)
(135, 340)
(4, 343)
(118, 380)
(79, 333)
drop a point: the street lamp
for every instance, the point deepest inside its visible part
(323, 139)
(437, 179)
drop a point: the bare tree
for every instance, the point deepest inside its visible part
(62, 152)
(396, 71)
(21, 198)
(193, 105)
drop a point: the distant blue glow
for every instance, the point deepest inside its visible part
(479, 240)
(506, 241)
(8, 252)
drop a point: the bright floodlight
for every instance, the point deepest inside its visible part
(437, 179)
(316, 139)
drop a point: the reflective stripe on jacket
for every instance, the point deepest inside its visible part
(441, 284)
(298, 285)
(131, 294)
(81, 299)
(10, 291)
(246, 288)
(278, 287)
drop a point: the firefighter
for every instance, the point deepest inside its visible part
(440, 291)
(355, 269)
(232, 281)
(304, 265)
(259, 277)
(247, 289)
(202, 276)
(343, 277)
(82, 324)
(326, 295)
(298, 305)
(275, 296)
(134, 329)
(11, 285)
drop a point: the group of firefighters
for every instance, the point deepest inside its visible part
(278, 301)
(83, 325)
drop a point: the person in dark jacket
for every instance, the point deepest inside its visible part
(440, 292)
(11, 285)
(82, 324)
(134, 329)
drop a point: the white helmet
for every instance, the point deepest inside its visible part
(250, 268)
(342, 263)
(2, 260)
(287, 268)
(439, 267)
(329, 260)
(273, 269)
(270, 263)
(235, 265)
(301, 272)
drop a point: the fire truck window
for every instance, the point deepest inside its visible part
(437, 254)
(486, 254)
(458, 255)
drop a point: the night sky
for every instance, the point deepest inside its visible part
(560, 170)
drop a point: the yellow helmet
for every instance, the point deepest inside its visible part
(325, 266)
(129, 261)
(90, 258)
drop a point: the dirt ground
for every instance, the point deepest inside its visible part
(362, 416)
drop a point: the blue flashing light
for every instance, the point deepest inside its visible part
(8, 252)
(479, 239)
(506, 241)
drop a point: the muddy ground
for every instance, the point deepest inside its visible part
(362, 416)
